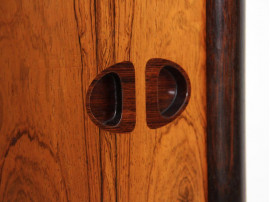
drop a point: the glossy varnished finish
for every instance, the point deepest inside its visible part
(50, 150)
(225, 101)
(161, 108)
(110, 99)
(42, 133)
(167, 89)
(165, 164)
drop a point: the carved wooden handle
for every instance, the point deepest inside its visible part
(167, 92)
(110, 99)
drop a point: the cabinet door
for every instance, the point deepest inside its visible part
(51, 51)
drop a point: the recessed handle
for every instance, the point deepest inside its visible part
(106, 100)
(110, 100)
(167, 92)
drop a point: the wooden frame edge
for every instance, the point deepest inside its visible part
(225, 100)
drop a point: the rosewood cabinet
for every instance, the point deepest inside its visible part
(122, 100)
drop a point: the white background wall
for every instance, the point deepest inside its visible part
(257, 100)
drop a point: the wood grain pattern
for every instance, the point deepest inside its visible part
(42, 136)
(49, 148)
(225, 100)
(124, 113)
(154, 117)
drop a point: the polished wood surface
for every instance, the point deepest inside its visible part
(50, 150)
(225, 101)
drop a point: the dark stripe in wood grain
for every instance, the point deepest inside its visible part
(124, 16)
(105, 56)
(82, 55)
(225, 101)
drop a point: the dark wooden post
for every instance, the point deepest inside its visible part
(225, 100)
